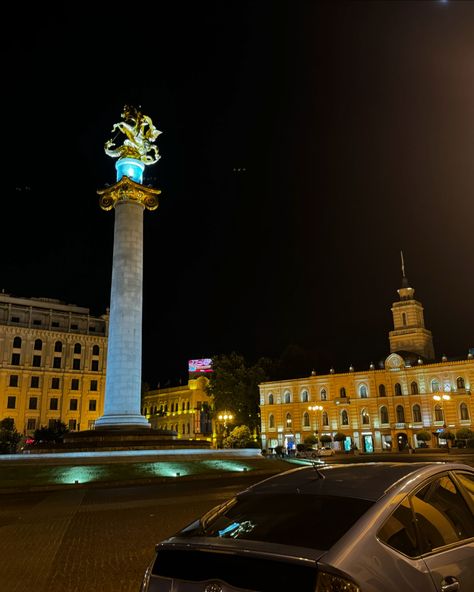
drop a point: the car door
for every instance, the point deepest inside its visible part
(445, 522)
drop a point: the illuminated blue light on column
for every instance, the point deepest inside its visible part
(131, 168)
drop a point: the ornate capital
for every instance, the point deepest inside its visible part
(128, 190)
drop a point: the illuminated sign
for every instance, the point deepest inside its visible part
(203, 365)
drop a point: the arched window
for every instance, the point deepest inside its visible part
(188, 428)
(382, 392)
(400, 414)
(38, 344)
(438, 413)
(271, 421)
(288, 420)
(363, 391)
(306, 420)
(325, 418)
(434, 385)
(77, 348)
(304, 396)
(414, 388)
(342, 392)
(324, 395)
(365, 417)
(17, 342)
(95, 350)
(344, 417)
(398, 389)
(416, 414)
(187, 406)
(463, 411)
(287, 397)
(383, 414)
(460, 382)
(58, 346)
(183, 404)
(404, 319)
(270, 399)
(172, 407)
(183, 429)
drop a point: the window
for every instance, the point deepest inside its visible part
(342, 392)
(77, 348)
(398, 389)
(172, 407)
(76, 364)
(271, 421)
(463, 411)
(72, 404)
(288, 420)
(95, 365)
(72, 425)
(434, 386)
(31, 424)
(183, 406)
(11, 402)
(442, 515)
(33, 403)
(95, 350)
(399, 531)
(34, 383)
(36, 361)
(304, 396)
(324, 395)
(363, 391)
(58, 346)
(325, 418)
(188, 428)
(55, 383)
(38, 345)
(365, 417)
(52, 424)
(187, 405)
(74, 326)
(13, 380)
(414, 388)
(55, 324)
(93, 405)
(36, 322)
(400, 414)
(94, 387)
(344, 418)
(53, 403)
(15, 359)
(15, 319)
(92, 329)
(56, 362)
(287, 398)
(17, 341)
(404, 319)
(383, 414)
(382, 392)
(306, 420)
(438, 413)
(75, 384)
(183, 429)
(416, 414)
(460, 382)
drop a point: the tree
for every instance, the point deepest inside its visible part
(233, 387)
(240, 437)
(9, 437)
(53, 433)
(464, 434)
(325, 439)
(311, 441)
(339, 437)
(423, 436)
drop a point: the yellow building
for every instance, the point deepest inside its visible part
(378, 408)
(183, 409)
(53, 359)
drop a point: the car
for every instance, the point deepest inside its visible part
(325, 451)
(362, 527)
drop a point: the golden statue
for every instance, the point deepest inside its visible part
(140, 134)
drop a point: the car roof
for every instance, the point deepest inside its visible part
(367, 481)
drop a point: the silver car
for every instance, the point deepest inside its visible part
(373, 527)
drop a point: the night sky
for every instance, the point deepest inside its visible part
(354, 122)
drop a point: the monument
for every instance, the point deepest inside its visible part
(129, 198)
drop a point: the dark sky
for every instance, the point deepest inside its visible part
(354, 122)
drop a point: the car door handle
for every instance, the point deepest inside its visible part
(449, 584)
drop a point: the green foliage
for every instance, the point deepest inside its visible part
(423, 436)
(240, 437)
(9, 437)
(52, 434)
(325, 439)
(311, 440)
(464, 434)
(339, 437)
(446, 435)
(234, 388)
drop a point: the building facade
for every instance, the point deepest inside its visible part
(379, 408)
(183, 409)
(52, 363)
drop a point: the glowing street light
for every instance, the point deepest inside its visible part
(442, 398)
(225, 417)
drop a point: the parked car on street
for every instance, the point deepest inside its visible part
(325, 451)
(366, 527)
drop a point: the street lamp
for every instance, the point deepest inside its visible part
(225, 417)
(316, 408)
(442, 398)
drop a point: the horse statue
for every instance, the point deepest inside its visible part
(140, 134)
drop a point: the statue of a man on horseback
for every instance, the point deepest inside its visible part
(140, 134)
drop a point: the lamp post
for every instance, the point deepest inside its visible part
(444, 397)
(225, 417)
(317, 408)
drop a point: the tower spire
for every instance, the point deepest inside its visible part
(404, 277)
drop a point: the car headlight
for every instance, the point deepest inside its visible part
(328, 582)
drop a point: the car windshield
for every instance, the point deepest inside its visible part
(291, 519)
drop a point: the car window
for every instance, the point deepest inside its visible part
(399, 530)
(297, 519)
(467, 481)
(442, 514)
